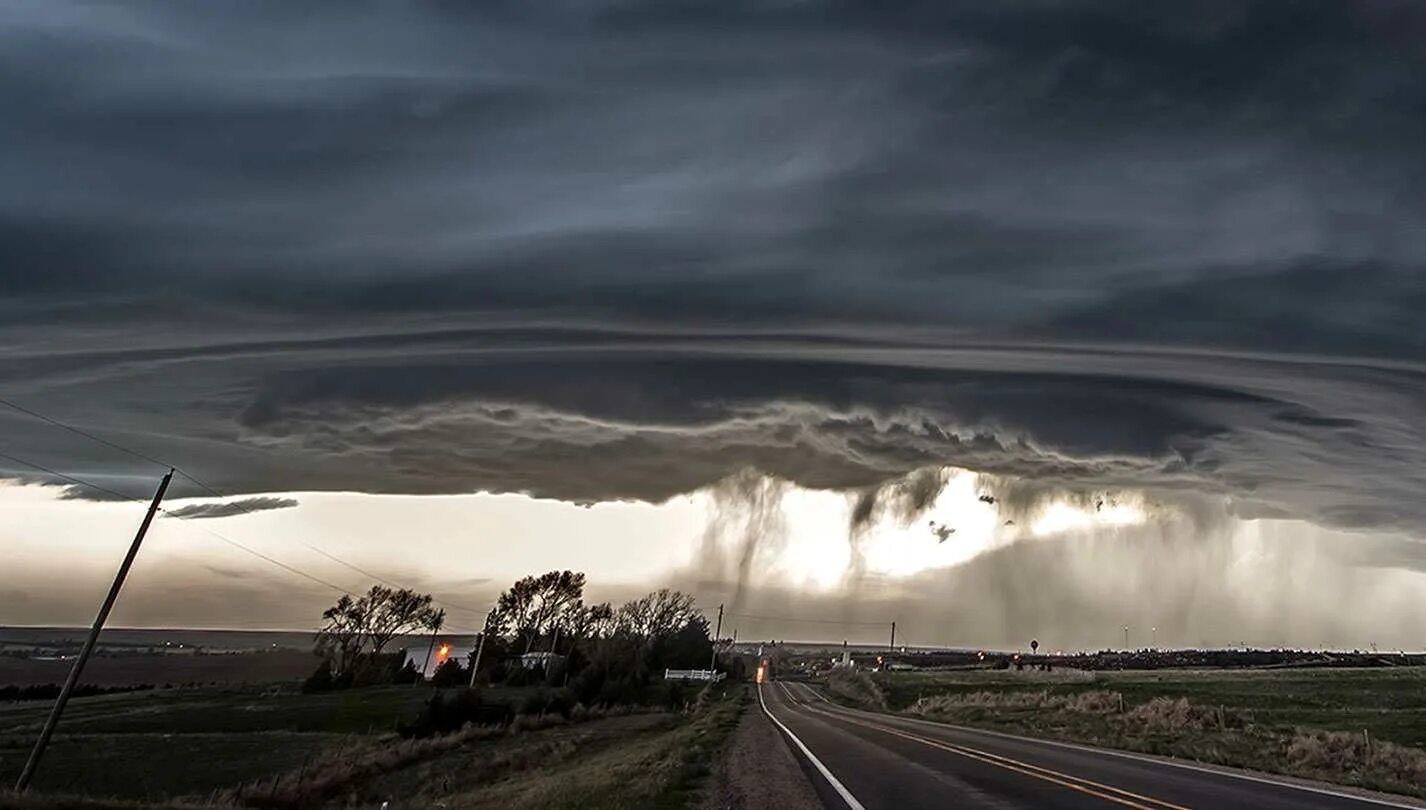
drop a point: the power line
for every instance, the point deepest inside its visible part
(82, 482)
(211, 490)
(334, 558)
(91, 436)
(846, 623)
(77, 481)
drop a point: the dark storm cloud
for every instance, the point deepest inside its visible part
(596, 250)
(230, 508)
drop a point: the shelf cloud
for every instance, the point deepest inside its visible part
(626, 250)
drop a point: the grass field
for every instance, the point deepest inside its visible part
(250, 746)
(1390, 703)
(638, 761)
(1364, 727)
(126, 670)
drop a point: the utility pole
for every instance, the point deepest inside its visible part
(1126, 637)
(893, 636)
(427, 665)
(480, 648)
(713, 662)
(29, 772)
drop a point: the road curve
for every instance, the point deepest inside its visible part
(868, 760)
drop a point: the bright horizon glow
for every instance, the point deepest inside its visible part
(818, 551)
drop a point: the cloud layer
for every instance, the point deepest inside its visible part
(599, 250)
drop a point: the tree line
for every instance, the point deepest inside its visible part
(541, 631)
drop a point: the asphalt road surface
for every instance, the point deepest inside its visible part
(868, 760)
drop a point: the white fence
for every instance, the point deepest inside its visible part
(693, 675)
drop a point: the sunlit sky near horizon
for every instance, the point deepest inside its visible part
(466, 548)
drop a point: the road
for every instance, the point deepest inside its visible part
(868, 760)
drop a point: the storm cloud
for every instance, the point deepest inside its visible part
(625, 250)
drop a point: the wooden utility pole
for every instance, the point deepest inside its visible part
(480, 648)
(48, 731)
(429, 649)
(713, 663)
(893, 636)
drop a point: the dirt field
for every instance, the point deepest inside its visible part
(129, 670)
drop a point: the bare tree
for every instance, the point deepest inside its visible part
(659, 615)
(534, 605)
(366, 624)
(590, 621)
(343, 632)
(394, 613)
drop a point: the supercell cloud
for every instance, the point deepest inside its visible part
(623, 250)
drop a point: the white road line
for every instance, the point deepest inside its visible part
(1150, 760)
(816, 763)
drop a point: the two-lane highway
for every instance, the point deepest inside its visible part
(869, 760)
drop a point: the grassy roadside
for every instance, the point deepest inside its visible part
(599, 759)
(249, 747)
(665, 768)
(593, 760)
(1351, 727)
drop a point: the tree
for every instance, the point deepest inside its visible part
(658, 615)
(362, 626)
(449, 673)
(343, 633)
(589, 621)
(534, 605)
(393, 613)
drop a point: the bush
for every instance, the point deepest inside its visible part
(450, 710)
(558, 701)
(1331, 752)
(856, 687)
(523, 676)
(320, 680)
(1168, 714)
(407, 675)
(449, 673)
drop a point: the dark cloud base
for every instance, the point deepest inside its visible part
(1334, 442)
(628, 249)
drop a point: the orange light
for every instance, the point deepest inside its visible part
(762, 672)
(443, 651)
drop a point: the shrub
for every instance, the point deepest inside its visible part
(856, 687)
(1095, 702)
(407, 675)
(450, 710)
(1168, 714)
(449, 673)
(320, 680)
(1333, 752)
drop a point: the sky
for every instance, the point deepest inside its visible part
(752, 298)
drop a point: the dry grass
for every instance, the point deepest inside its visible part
(1338, 754)
(856, 687)
(1169, 714)
(1098, 702)
(1179, 727)
(335, 769)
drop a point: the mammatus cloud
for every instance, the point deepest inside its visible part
(230, 508)
(625, 250)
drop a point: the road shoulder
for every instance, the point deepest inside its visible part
(758, 770)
